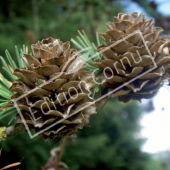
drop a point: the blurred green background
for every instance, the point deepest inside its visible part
(110, 141)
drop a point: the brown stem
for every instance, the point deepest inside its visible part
(35, 6)
(101, 103)
(59, 155)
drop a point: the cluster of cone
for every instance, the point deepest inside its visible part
(129, 54)
(56, 70)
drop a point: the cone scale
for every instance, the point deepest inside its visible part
(63, 88)
(131, 58)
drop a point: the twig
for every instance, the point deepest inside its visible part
(11, 165)
(59, 155)
(35, 7)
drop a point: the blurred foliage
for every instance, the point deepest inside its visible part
(150, 7)
(110, 142)
(29, 21)
(32, 153)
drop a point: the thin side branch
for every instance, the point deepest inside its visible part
(60, 153)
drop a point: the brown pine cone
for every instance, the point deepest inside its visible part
(129, 58)
(66, 90)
